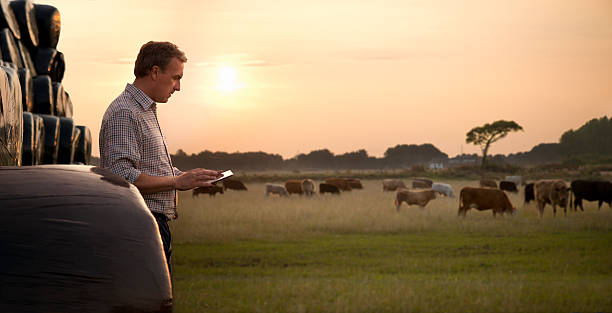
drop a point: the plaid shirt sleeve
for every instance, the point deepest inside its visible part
(122, 145)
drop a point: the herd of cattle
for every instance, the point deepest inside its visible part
(489, 196)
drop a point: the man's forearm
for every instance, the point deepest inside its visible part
(148, 184)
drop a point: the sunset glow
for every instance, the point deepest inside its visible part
(227, 79)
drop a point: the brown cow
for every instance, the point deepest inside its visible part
(484, 199)
(308, 187)
(488, 183)
(233, 184)
(341, 183)
(423, 183)
(419, 197)
(210, 190)
(294, 186)
(552, 191)
(355, 183)
(323, 188)
(392, 184)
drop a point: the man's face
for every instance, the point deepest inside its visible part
(168, 81)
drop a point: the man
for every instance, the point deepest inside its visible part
(132, 144)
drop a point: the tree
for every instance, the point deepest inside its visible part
(487, 134)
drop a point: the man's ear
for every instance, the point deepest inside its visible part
(155, 70)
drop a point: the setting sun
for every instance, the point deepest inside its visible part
(226, 79)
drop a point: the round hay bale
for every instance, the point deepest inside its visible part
(51, 139)
(49, 24)
(27, 145)
(26, 20)
(39, 139)
(12, 109)
(59, 102)
(78, 238)
(43, 95)
(10, 52)
(66, 141)
(27, 89)
(8, 20)
(26, 58)
(50, 62)
(69, 110)
(83, 148)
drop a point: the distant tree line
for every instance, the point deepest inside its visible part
(591, 143)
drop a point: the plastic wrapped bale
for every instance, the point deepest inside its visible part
(67, 141)
(27, 145)
(83, 148)
(8, 20)
(78, 238)
(26, 58)
(39, 139)
(69, 110)
(49, 25)
(10, 52)
(51, 139)
(27, 89)
(26, 20)
(50, 62)
(59, 101)
(43, 95)
(11, 130)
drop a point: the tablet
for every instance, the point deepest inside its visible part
(224, 175)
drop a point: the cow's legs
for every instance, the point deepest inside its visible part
(554, 210)
(541, 205)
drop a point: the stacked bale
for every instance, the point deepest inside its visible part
(29, 34)
(11, 119)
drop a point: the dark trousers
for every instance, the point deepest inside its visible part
(164, 231)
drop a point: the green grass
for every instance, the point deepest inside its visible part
(241, 252)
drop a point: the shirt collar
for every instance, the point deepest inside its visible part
(145, 101)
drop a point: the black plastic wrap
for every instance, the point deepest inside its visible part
(69, 110)
(77, 238)
(26, 58)
(49, 25)
(59, 100)
(8, 46)
(27, 145)
(50, 62)
(39, 139)
(11, 130)
(51, 139)
(43, 95)
(26, 19)
(27, 89)
(8, 20)
(83, 148)
(67, 141)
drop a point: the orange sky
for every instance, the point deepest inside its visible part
(292, 76)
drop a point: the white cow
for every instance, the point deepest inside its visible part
(444, 189)
(276, 189)
(308, 187)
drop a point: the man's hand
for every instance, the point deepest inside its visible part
(197, 177)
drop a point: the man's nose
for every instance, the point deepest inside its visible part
(177, 86)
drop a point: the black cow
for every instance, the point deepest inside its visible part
(591, 190)
(333, 189)
(508, 186)
(529, 195)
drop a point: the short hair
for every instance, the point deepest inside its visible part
(156, 53)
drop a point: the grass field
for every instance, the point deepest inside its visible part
(242, 252)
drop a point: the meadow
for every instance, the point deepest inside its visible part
(243, 252)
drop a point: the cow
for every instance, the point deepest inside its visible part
(529, 193)
(590, 190)
(422, 183)
(551, 191)
(233, 184)
(210, 190)
(508, 186)
(355, 183)
(517, 180)
(341, 183)
(484, 199)
(420, 197)
(308, 187)
(294, 186)
(488, 183)
(324, 187)
(443, 189)
(276, 189)
(392, 184)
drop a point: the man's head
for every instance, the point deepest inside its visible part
(159, 69)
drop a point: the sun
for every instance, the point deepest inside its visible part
(226, 79)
